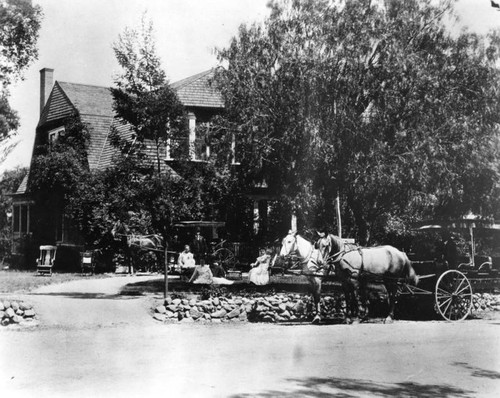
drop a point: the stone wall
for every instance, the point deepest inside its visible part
(279, 307)
(15, 312)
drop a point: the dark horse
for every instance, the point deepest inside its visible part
(141, 243)
(353, 267)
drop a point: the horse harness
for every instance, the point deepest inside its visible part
(336, 260)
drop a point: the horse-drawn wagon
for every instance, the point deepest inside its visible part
(354, 268)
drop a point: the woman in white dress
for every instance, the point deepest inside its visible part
(259, 274)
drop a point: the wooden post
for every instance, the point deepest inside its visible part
(339, 220)
(165, 293)
(472, 245)
(293, 222)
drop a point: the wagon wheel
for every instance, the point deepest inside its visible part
(453, 296)
(224, 256)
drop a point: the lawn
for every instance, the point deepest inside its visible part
(25, 281)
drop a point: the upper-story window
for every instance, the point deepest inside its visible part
(54, 136)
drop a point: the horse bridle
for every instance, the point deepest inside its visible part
(295, 251)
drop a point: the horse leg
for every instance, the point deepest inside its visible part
(316, 293)
(349, 299)
(363, 306)
(392, 292)
(355, 300)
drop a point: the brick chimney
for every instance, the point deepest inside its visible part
(46, 82)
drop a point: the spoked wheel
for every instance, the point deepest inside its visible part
(224, 256)
(453, 296)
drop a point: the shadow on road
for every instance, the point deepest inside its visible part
(327, 387)
(79, 295)
(478, 372)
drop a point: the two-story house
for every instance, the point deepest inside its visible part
(60, 100)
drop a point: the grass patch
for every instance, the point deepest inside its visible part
(25, 281)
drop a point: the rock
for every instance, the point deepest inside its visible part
(228, 307)
(25, 306)
(10, 313)
(172, 307)
(176, 301)
(185, 302)
(208, 316)
(238, 301)
(216, 320)
(195, 314)
(14, 305)
(299, 307)
(215, 301)
(2, 314)
(243, 317)
(168, 301)
(5, 321)
(187, 320)
(2, 307)
(286, 314)
(268, 318)
(192, 302)
(20, 312)
(29, 313)
(234, 313)
(6, 304)
(282, 307)
(219, 314)
(160, 317)
(160, 309)
(17, 319)
(261, 308)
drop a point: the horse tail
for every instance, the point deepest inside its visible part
(410, 274)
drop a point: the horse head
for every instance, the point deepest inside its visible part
(289, 244)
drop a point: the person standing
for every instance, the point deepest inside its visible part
(199, 247)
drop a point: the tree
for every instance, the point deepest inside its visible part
(140, 189)
(20, 22)
(376, 102)
(56, 171)
(142, 96)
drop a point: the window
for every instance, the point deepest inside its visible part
(20, 222)
(54, 136)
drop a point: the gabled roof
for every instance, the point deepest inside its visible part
(95, 106)
(23, 186)
(199, 91)
(89, 100)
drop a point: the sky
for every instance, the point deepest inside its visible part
(76, 39)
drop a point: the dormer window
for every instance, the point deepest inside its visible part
(54, 136)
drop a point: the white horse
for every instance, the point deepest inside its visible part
(311, 265)
(353, 268)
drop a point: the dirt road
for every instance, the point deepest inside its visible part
(103, 345)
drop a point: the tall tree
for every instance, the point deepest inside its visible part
(142, 96)
(20, 22)
(375, 101)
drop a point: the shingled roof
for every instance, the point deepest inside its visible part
(199, 91)
(95, 106)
